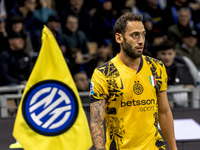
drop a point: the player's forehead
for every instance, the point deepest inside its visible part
(134, 26)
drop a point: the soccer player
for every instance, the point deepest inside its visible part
(129, 92)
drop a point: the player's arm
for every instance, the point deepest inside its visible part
(166, 120)
(97, 110)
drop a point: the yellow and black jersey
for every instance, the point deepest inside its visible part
(131, 111)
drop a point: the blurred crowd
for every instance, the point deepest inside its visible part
(84, 32)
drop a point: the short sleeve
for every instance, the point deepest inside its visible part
(98, 87)
(164, 78)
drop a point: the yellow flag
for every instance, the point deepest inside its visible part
(50, 115)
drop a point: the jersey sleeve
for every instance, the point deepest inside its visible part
(164, 78)
(98, 87)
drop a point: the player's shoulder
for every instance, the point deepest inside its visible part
(108, 69)
(151, 60)
(105, 65)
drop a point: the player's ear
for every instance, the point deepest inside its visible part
(118, 38)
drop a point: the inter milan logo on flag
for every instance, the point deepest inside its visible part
(152, 80)
(50, 108)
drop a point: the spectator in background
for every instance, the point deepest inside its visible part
(75, 61)
(3, 35)
(179, 75)
(177, 70)
(44, 9)
(16, 24)
(176, 31)
(91, 6)
(10, 4)
(104, 53)
(131, 5)
(60, 6)
(189, 47)
(15, 63)
(194, 6)
(161, 3)
(77, 9)
(158, 39)
(153, 9)
(171, 12)
(74, 38)
(25, 9)
(195, 10)
(103, 21)
(54, 24)
(81, 80)
(152, 34)
(3, 12)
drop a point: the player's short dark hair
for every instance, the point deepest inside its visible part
(120, 24)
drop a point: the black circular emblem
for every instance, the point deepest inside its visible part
(138, 88)
(50, 107)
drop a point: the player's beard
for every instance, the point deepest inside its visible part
(128, 49)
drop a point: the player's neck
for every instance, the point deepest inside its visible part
(130, 62)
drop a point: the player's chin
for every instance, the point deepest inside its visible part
(139, 52)
(138, 55)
